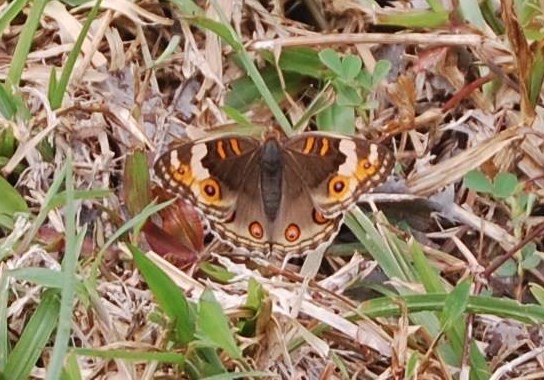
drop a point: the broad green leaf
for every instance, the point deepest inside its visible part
(11, 202)
(531, 258)
(213, 325)
(169, 297)
(244, 94)
(337, 119)
(504, 185)
(216, 272)
(365, 80)
(346, 95)
(331, 59)
(537, 291)
(137, 185)
(303, 61)
(255, 294)
(477, 181)
(508, 269)
(455, 305)
(8, 142)
(380, 72)
(351, 66)
(8, 107)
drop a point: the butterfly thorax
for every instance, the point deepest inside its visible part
(271, 177)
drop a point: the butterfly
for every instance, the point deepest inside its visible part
(274, 195)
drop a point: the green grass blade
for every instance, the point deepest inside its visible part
(213, 325)
(24, 42)
(35, 336)
(74, 242)
(12, 10)
(4, 337)
(163, 357)
(227, 33)
(169, 297)
(55, 97)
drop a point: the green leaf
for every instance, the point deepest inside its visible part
(137, 193)
(531, 259)
(8, 142)
(169, 297)
(351, 66)
(414, 19)
(504, 185)
(331, 59)
(255, 294)
(8, 107)
(381, 70)
(216, 272)
(303, 61)
(11, 202)
(213, 326)
(508, 269)
(455, 304)
(337, 118)
(346, 95)
(237, 116)
(531, 262)
(244, 94)
(364, 80)
(35, 336)
(477, 181)
(537, 291)
(71, 369)
(57, 93)
(24, 42)
(188, 7)
(218, 28)
(137, 356)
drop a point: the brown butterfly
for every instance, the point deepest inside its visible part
(275, 195)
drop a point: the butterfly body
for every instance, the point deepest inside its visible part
(275, 195)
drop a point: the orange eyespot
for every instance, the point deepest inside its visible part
(338, 186)
(210, 190)
(256, 230)
(364, 169)
(318, 217)
(292, 233)
(181, 173)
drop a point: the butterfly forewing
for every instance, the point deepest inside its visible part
(208, 172)
(338, 169)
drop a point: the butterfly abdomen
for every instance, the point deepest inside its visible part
(271, 177)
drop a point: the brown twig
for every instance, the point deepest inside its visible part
(502, 259)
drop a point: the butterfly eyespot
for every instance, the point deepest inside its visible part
(338, 186)
(180, 173)
(256, 230)
(210, 190)
(292, 233)
(365, 169)
(318, 217)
